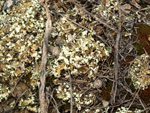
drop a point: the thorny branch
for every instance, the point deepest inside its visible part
(42, 96)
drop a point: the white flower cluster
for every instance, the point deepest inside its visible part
(126, 110)
(89, 111)
(109, 11)
(79, 99)
(83, 99)
(63, 91)
(21, 32)
(140, 72)
(25, 103)
(81, 57)
(4, 92)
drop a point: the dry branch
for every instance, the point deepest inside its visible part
(42, 95)
(95, 17)
(71, 99)
(116, 64)
(104, 41)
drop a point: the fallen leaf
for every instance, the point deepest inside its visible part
(54, 51)
(105, 103)
(18, 71)
(126, 8)
(2, 66)
(59, 41)
(70, 38)
(61, 67)
(98, 83)
(135, 4)
(98, 30)
(20, 88)
(41, 1)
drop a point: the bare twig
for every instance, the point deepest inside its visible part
(146, 109)
(136, 95)
(146, 1)
(134, 98)
(42, 95)
(80, 26)
(71, 99)
(18, 99)
(94, 16)
(55, 103)
(116, 65)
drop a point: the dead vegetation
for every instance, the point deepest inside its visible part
(75, 56)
